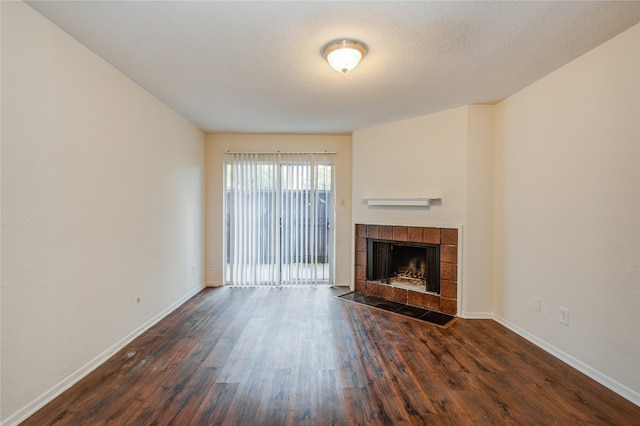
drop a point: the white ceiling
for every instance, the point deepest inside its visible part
(234, 66)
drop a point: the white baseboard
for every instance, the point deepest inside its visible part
(596, 375)
(210, 284)
(476, 315)
(48, 396)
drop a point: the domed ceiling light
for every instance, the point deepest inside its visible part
(344, 55)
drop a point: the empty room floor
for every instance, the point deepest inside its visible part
(299, 355)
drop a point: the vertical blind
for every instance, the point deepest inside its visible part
(279, 218)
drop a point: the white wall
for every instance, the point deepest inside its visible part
(102, 201)
(477, 255)
(448, 155)
(567, 212)
(218, 144)
(423, 156)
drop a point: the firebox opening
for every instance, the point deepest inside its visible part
(408, 265)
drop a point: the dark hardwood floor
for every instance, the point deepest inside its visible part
(277, 356)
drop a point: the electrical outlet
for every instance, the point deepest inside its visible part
(193, 269)
(536, 303)
(564, 315)
(211, 264)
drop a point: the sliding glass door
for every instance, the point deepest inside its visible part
(279, 219)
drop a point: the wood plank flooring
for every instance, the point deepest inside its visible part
(295, 356)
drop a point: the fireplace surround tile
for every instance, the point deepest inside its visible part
(361, 273)
(447, 238)
(386, 232)
(414, 234)
(373, 289)
(431, 235)
(448, 306)
(431, 302)
(414, 298)
(449, 254)
(400, 233)
(386, 292)
(448, 271)
(361, 244)
(399, 295)
(448, 289)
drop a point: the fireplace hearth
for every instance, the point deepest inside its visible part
(416, 266)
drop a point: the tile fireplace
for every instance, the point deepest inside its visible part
(416, 266)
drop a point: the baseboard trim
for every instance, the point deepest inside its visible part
(213, 285)
(596, 375)
(476, 315)
(48, 396)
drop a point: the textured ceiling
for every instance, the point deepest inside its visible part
(257, 66)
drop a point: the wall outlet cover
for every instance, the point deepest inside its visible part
(564, 315)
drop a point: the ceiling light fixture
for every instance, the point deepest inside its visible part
(344, 55)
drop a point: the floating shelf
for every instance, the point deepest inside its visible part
(398, 201)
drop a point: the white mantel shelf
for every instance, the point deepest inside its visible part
(400, 201)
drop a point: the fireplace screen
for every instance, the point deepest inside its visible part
(408, 265)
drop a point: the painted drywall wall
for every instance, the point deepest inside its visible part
(568, 212)
(102, 201)
(423, 156)
(477, 251)
(448, 155)
(218, 144)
